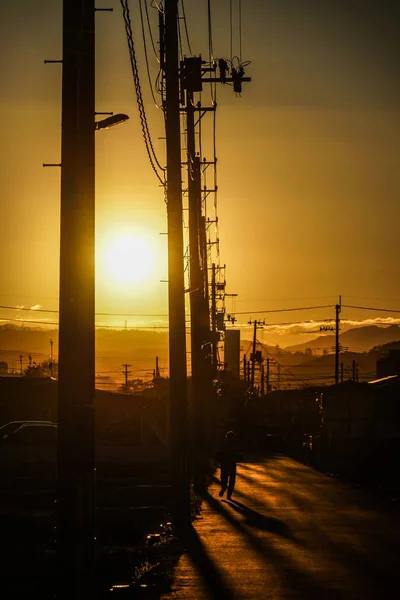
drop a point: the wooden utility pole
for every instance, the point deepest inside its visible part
(176, 289)
(253, 356)
(268, 386)
(76, 457)
(126, 373)
(338, 308)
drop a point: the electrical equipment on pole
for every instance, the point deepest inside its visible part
(254, 358)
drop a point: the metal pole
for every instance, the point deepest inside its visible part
(76, 456)
(262, 379)
(253, 359)
(176, 291)
(197, 334)
(337, 345)
(214, 319)
(51, 358)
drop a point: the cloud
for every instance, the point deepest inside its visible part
(36, 307)
(313, 327)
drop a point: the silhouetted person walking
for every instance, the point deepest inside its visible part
(227, 456)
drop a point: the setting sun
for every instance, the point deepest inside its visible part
(128, 259)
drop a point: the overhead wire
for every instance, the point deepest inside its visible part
(154, 162)
(122, 327)
(231, 29)
(371, 308)
(282, 366)
(186, 27)
(150, 31)
(157, 5)
(180, 39)
(276, 310)
(210, 40)
(145, 53)
(98, 314)
(240, 31)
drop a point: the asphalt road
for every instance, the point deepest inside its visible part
(290, 532)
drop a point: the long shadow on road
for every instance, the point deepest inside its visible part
(217, 587)
(255, 519)
(299, 582)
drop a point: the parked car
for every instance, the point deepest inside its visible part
(32, 434)
(8, 428)
(30, 449)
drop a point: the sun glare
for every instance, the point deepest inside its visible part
(128, 259)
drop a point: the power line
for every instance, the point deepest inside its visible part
(154, 162)
(210, 41)
(99, 314)
(180, 39)
(231, 29)
(372, 308)
(282, 366)
(186, 28)
(145, 51)
(150, 31)
(276, 310)
(130, 327)
(240, 30)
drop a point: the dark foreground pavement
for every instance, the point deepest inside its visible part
(290, 532)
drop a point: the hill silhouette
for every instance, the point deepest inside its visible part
(360, 339)
(138, 348)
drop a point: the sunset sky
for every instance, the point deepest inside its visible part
(308, 157)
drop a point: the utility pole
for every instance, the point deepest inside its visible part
(253, 356)
(268, 386)
(338, 308)
(176, 287)
(244, 368)
(20, 363)
(214, 320)
(278, 384)
(51, 358)
(199, 320)
(76, 457)
(262, 379)
(157, 370)
(353, 370)
(126, 373)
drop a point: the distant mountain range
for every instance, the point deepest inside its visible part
(360, 339)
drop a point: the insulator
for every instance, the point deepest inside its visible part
(223, 69)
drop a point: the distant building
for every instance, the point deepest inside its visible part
(3, 368)
(232, 351)
(388, 364)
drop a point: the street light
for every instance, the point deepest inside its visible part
(111, 121)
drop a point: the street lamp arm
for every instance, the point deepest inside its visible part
(111, 121)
